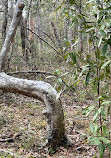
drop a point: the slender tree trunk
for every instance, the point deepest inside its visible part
(58, 41)
(4, 26)
(23, 35)
(66, 28)
(26, 25)
(39, 25)
(5, 20)
(80, 43)
(11, 33)
(109, 117)
(66, 23)
(81, 38)
(31, 27)
(11, 9)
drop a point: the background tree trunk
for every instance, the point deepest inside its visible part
(11, 33)
(4, 27)
(39, 25)
(58, 41)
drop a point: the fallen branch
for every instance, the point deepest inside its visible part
(11, 138)
(36, 72)
(83, 118)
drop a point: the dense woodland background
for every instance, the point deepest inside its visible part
(66, 43)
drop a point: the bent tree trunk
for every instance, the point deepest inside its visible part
(36, 89)
(45, 93)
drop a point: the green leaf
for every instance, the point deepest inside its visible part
(102, 33)
(58, 7)
(94, 140)
(105, 131)
(100, 98)
(59, 88)
(107, 70)
(105, 140)
(100, 42)
(95, 128)
(109, 146)
(106, 103)
(101, 149)
(50, 77)
(84, 68)
(66, 56)
(71, 1)
(88, 110)
(104, 49)
(101, 76)
(105, 64)
(80, 16)
(74, 43)
(51, 151)
(73, 57)
(91, 127)
(60, 80)
(95, 116)
(87, 78)
(83, 135)
(109, 8)
(102, 111)
(67, 43)
(102, 57)
(57, 72)
(90, 40)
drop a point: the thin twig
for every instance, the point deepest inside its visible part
(45, 42)
(45, 34)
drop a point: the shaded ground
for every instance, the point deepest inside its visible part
(22, 116)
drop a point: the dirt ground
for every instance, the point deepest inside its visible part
(24, 127)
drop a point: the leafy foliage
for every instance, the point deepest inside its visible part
(95, 67)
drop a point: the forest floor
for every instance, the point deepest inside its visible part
(24, 127)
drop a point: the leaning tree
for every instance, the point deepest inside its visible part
(37, 89)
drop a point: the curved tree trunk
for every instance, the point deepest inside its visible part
(45, 93)
(36, 89)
